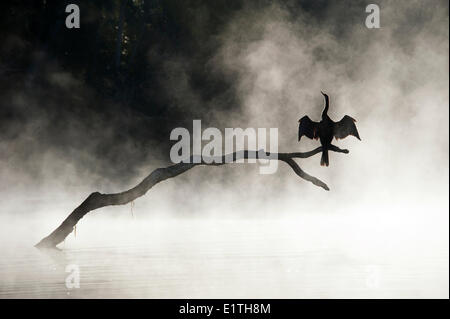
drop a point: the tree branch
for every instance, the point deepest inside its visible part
(97, 200)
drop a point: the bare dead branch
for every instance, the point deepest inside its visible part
(97, 200)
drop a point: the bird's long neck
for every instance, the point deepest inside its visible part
(327, 104)
(325, 111)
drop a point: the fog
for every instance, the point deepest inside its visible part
(228, 231)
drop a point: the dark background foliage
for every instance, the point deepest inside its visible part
(108, 94)
(102, 89)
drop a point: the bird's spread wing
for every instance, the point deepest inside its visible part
(307, 128)
(345, 127)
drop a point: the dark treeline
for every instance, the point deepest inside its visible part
(114, 88)
(120, 47)
(107, 84)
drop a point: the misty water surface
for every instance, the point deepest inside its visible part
(311, 256)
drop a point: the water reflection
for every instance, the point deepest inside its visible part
(228, 259)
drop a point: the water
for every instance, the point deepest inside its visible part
(312, 256)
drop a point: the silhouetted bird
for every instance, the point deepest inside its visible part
(326, 129)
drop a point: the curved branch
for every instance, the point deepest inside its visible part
(97, 200)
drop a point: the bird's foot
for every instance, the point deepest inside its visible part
(334, 148)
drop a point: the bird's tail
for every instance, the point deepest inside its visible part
(324, 160)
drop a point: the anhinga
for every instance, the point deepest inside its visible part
(326, 129)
